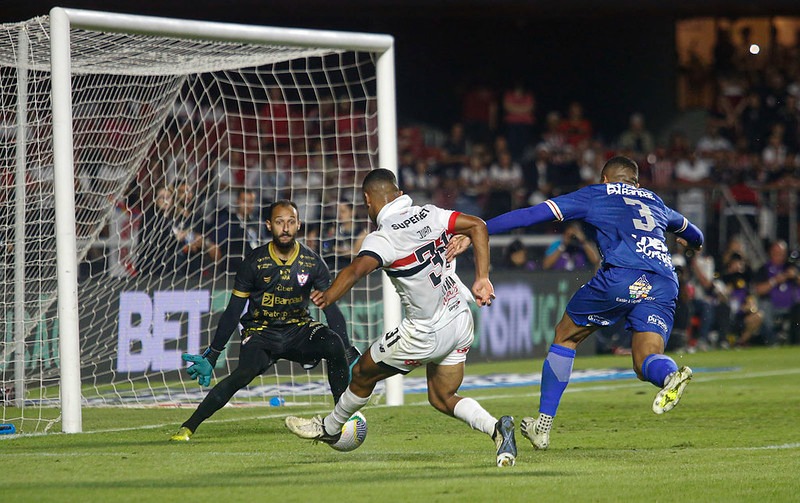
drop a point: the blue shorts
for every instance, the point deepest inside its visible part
(645, 299)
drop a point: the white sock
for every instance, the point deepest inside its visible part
(348, 403)
(471, 412)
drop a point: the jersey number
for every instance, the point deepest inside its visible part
(647, 222)
(430, 253)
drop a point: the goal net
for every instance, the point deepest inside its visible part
(181, 134)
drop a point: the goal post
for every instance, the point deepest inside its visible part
(136, 105)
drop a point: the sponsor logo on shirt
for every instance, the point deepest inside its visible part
(623, 189)
(654, 248)
(412, 219)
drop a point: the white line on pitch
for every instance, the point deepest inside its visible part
(577, 388)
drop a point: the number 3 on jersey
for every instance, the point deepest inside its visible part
(431, 253)
(647, 223)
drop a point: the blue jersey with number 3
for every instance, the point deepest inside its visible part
(628, 223)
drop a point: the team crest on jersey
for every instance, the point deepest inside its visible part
(302, 278)
(640, 288)
(267, 279)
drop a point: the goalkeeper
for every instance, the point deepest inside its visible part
(277, 280)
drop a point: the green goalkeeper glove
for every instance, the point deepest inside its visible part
(203, 365)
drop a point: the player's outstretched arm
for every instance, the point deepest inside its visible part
(347, 277)
(523, 217)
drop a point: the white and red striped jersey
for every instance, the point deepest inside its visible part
(409, 244)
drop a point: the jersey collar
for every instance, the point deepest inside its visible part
(401, 203)
(279, 260)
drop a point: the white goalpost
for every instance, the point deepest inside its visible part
(132, 151)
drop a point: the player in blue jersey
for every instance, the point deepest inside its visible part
(636, 282)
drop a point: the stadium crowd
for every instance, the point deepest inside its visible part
(507, 150)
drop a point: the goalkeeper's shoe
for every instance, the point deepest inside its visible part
(670, 394)
(537, 430)
(183, 435)
(505, 442)
(311, 429)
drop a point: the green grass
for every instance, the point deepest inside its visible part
(734, 437)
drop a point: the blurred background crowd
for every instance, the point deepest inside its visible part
(517, 123)
(733, 171)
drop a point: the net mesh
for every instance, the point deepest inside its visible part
(178, 147)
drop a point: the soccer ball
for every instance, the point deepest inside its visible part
(354, 431)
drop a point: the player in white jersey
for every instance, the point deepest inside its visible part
(437, 330)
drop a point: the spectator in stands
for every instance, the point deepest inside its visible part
(416, 179)
(342, 240)
(475, 186)
(538, 176)
(500, 146)
(516, 257)
(455, 149)
(227, 180)
(746, 318)
(566, 173)
(479, 113)
(576, 127)
(712, 140)
(172, 235)
(274, 118)
(636, 138)
(662, 169)
(189, 227)
(693, 173)
(507, 185)
(307, 182)
(239, 230)
(572, 251)
(731, 102)
(777, 284)
(775, 154)
(519, 117)
(349, 124)
(552, 137)
(709, 303)
(266, 180)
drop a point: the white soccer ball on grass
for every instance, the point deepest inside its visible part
(354, 431)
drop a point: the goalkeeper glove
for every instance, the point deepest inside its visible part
(203, 365)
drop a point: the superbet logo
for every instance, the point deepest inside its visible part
(412, 363)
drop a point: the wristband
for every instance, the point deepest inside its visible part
(211, 355)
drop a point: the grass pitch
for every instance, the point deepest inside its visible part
(735, 436)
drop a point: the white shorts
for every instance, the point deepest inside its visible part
(406, 347)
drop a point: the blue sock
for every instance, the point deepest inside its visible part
(556, 371)
(656, 368)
